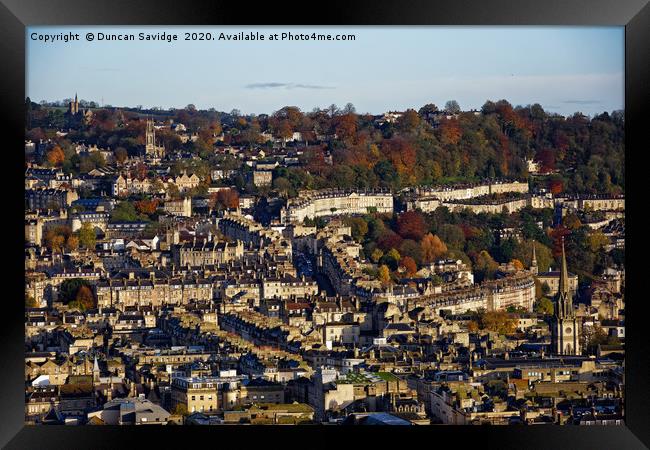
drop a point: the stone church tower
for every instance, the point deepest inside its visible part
(73, 107)
(565, 331)
(151, 149)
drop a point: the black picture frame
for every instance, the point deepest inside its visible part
(15, 15)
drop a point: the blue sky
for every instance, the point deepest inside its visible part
(565, 69)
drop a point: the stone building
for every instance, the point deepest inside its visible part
(151, 289)
(206, 253)
(314, 204)
(47, 198)
(180, 208)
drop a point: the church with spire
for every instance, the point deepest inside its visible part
(73, 106)
(533, 264)
(77, 115)
(565, 330)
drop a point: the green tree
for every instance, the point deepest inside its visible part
(358, 227)
(544, 306)
(124, 212)
(485, 267)
(391, 259)
(597, 240)
(180, 410)
(87, 237)
(523, 251)
(283, 186)
(497, 321)
(452, 235)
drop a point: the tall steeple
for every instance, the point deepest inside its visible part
(565, 329)
(564, 302)
(533, 263)
(96, 372)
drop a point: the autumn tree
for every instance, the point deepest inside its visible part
(408, 264)
(345, 126)
(72, 243)
(411, 225)
(224, 199)
(376, 255)
(84, 299)
(555, 185)
(517, 264)
(383, 275)
(146, 206)
(389, 239)
(432, 248)
(56, 238)
(139, 171)
(55, 156)
(173, 192)
(409, 121)
(571, 221)
(402, 156)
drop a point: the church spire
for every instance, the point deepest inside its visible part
(564, 307)
(564, 274)
(533, 263)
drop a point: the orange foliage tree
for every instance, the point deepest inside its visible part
(224, 199)
(409, 265)
(146, 206)
(55, 156)
(402, 155)
(432, 248)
